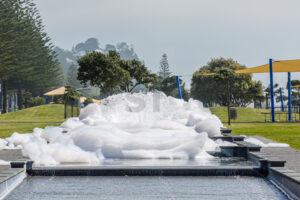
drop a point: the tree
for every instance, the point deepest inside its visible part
(91, 44)
(295, 93)
(139, 74)
(169, 87)
(102, 71)
(126, 52)
(211, 93)
(276, 92)
(164, 71)
(70, 97)
(113, 74)
(27, 58)
(72, 76)
(256, 90)
(225, 76)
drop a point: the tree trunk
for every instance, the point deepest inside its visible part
(4, 91)
(20, 99)
(65, 113)
(72, 106)
(228, 103)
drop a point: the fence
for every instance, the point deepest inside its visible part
(282, 114)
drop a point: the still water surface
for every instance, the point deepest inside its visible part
(146, 188)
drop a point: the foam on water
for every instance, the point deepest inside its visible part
(151, 126)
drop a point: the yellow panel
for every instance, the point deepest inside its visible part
(278, 66)
(59, 91)
(208, 74)
(96, 101)
(82, 99)
(297, 86)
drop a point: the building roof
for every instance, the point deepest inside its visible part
(56, 92)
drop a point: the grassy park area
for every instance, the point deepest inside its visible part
(279, 132)
(26, 120)
(251, 114)
(51, 113)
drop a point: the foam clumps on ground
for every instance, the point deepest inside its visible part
(257, 142)
(124, 126)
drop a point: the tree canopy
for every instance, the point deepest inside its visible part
(139, 75)
(243, 90)
(295, 93)
(111, 73)
(28, 61)
(164, 70)
(169, 87)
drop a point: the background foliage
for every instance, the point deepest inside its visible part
(243, 90)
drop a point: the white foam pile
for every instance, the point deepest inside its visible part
(126, 125)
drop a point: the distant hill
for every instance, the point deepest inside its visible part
(68, 57)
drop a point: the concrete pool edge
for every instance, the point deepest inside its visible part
(147, 171)
(273, 167)
(288, 181)
(10, 181)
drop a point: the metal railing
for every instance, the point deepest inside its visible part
(282, 114)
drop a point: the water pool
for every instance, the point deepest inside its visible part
(146, 188)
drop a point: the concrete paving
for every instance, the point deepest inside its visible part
(287, 177)
(6, 171)
(11, 154)
(10, 178)
(290, 155)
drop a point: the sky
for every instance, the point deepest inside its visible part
(191, 32)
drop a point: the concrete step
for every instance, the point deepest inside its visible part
(251, 147)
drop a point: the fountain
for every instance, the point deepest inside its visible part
(139, 138)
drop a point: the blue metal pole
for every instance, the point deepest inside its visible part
(178, 87)
(272, 89)
(281, 99)
(46, 100)
(290, 96)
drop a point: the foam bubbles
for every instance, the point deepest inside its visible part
(145, 126)
(257, 142)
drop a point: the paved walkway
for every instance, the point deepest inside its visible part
(11, 154)
(10, 177)
(290, 155)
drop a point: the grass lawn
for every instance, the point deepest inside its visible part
(52, 113)
(279, 132)
(249, 114)
(9, 129)
(47, 115)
